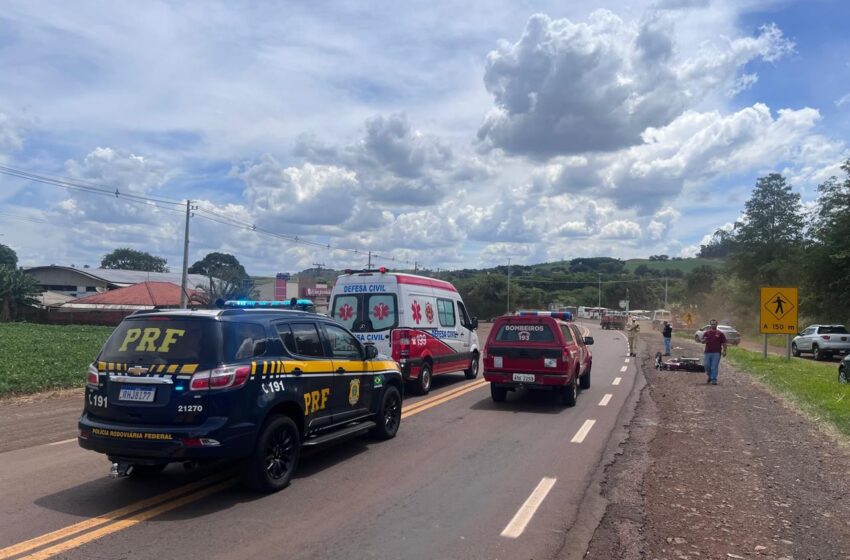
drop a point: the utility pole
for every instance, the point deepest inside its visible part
(369, 264)
(509, 286)
(415, 266)
(599, 290)
(665, 292)
(185, 278)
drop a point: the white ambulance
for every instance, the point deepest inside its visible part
(421, 322)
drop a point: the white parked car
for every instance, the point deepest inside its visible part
(823, 341)
(733, 337)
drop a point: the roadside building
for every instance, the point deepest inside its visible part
(78, 282)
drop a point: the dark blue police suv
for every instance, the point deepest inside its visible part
(253, 385)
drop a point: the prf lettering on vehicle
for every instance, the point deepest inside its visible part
(151, 339)
(364, 288)
(315, 401)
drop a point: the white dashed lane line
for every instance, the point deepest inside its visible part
(628, 360)
(624, 368)
(616, 381)
(61, 442)
(529, 508)
(605, 400)
(583, 431)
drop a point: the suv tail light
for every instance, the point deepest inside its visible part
(825, 336)
(92, 377)
(220, 378)
(566, 356)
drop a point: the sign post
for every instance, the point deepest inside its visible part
(778, 314)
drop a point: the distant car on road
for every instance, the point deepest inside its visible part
(823, 341)
(844, 370)
(733, 337)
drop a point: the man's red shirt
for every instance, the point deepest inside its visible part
(714, 341)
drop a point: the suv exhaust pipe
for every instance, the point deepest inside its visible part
(121, 470)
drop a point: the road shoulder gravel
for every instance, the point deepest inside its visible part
(726, 471)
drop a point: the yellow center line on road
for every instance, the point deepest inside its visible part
(128, 522)
(135, 513)
(48, 538)
(442, 395)
(440, 399)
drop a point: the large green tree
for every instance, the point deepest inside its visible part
(227, 278)
(829, 256)
(125, 258)
(8, 257)
(770, 238)
(17, 289)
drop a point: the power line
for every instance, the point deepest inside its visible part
(176, 206)
(593, 282)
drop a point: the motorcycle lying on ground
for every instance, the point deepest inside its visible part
(678, 363)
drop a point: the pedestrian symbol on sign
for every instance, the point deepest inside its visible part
(778, 305)
(779, 302)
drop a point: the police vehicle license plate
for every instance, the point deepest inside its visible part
(529, 377)
(137, 394)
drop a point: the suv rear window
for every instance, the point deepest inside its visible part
(163, 340)
(835, 329)
(524, 332)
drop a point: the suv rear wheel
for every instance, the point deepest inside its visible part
(389, 415)
(472, 372)
(816, 353)
(275, 457)
(499, 394)
(795, 350)
(584, 380)
(568, 394)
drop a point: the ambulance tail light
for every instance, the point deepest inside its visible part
(400, 344)
(220, 378)
(92, 377)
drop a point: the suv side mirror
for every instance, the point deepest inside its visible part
(370, 350)
(588, 340)
(474, 323)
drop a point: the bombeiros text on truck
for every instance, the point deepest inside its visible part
(421, 322)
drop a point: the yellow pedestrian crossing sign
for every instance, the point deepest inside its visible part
(778, 311)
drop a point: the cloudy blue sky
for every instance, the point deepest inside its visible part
(455, 137)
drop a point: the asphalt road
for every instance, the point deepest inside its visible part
(464, 478)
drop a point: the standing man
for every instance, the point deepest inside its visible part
(667, 333)
(715, 345)
(632, 329)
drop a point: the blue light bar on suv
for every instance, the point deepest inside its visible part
(563, 315)
(252, 304)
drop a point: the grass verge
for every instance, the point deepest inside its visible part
(810, 385)
(36, 358)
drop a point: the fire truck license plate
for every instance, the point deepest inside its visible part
(528, 377)
(137, 394)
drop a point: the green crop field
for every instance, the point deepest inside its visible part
(37, 358)
(685, 265)
(813, 386)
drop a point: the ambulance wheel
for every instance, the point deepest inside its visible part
(584, 380)
(422, 384)
(389, 415)
(568, 394)
(275, 457)
(472, 372)
(499, 394)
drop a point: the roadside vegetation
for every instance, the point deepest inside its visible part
(813, 386)
(46, 357)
